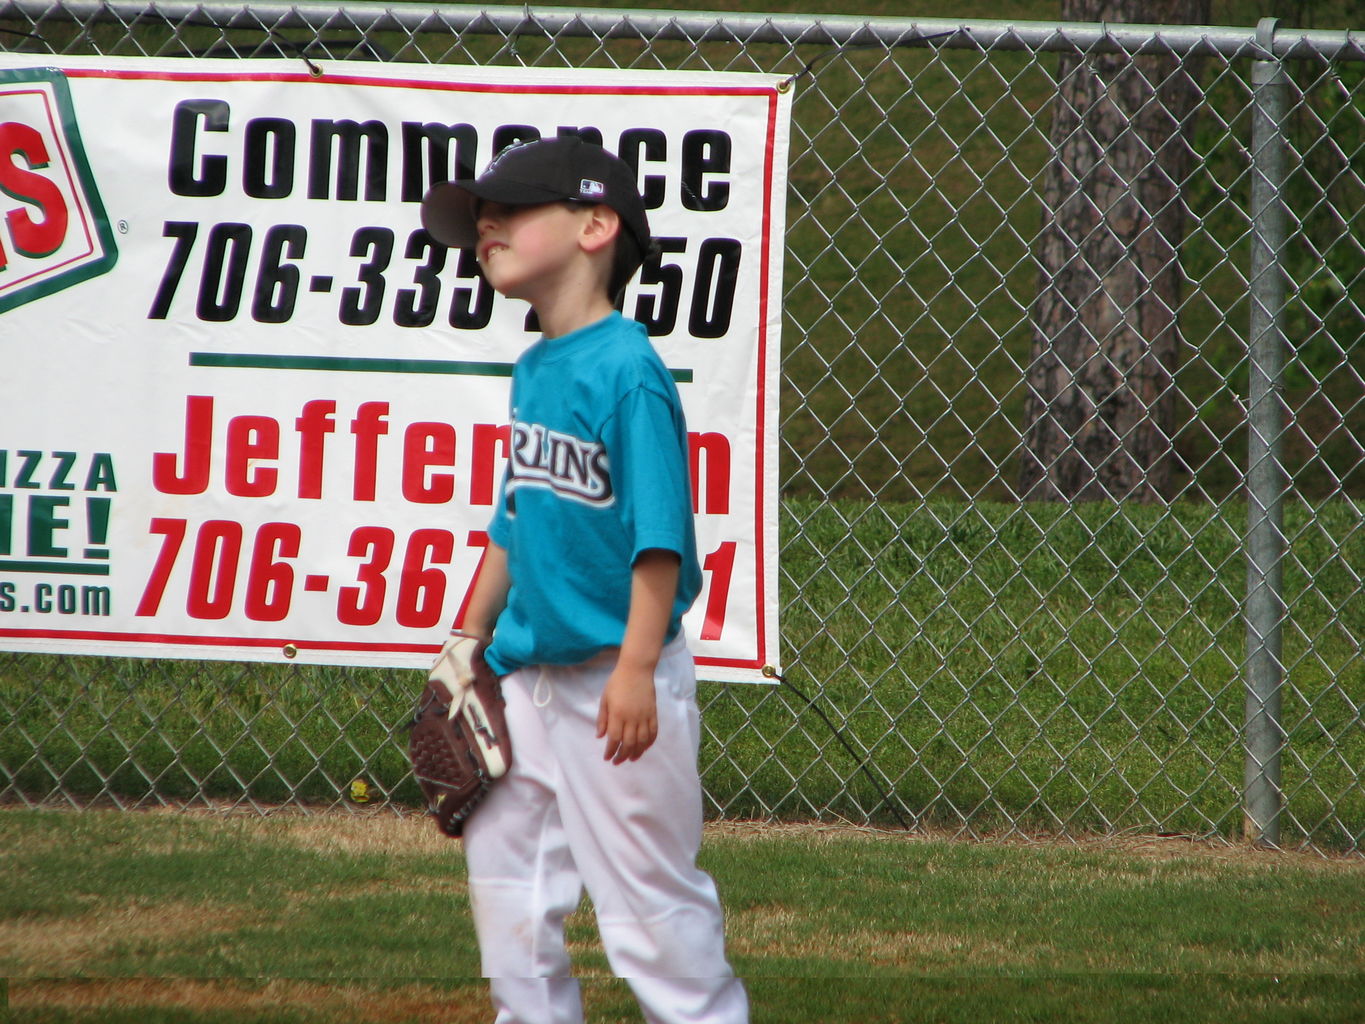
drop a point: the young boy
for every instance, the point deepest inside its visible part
(591, 565)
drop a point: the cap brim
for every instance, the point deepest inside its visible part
(448, 215)
(450, 210)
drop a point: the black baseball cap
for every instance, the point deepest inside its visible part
(530, 173)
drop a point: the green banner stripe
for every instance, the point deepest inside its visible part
(351, 365)
(232, 360)
(63, 568)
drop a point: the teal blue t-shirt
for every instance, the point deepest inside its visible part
(597, 474)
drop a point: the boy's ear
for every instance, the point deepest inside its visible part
(600, 228)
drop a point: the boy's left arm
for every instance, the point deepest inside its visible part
(628, 715)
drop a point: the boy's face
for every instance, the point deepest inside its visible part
(525, 250)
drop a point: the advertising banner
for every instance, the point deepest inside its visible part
(249, 410)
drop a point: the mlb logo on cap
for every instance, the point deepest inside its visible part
(590, 189)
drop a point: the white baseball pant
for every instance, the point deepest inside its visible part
(564, 818)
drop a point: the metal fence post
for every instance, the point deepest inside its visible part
(1266, 479)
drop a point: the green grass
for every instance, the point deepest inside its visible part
(1063, 669)
(1073, 670)
(158, 917)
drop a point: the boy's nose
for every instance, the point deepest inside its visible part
(485, 218)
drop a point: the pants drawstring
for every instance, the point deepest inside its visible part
(540, 695)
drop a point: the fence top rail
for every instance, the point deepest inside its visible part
(699, 26)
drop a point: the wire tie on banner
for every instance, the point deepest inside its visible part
(809, 68)
(771, 673)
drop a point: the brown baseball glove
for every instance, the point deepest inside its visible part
(458, 740)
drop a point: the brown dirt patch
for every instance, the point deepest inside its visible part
(392, 828)
(310, 1000)
(776, 931)
(339, 833)
(462, 1002)
(66, 945)
(1138, 844)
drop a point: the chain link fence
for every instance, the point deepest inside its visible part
(1180, 653)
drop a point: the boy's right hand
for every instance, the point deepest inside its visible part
(628, 716)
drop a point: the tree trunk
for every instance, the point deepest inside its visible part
(1100, 407)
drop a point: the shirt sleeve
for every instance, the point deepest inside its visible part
(647, 449)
